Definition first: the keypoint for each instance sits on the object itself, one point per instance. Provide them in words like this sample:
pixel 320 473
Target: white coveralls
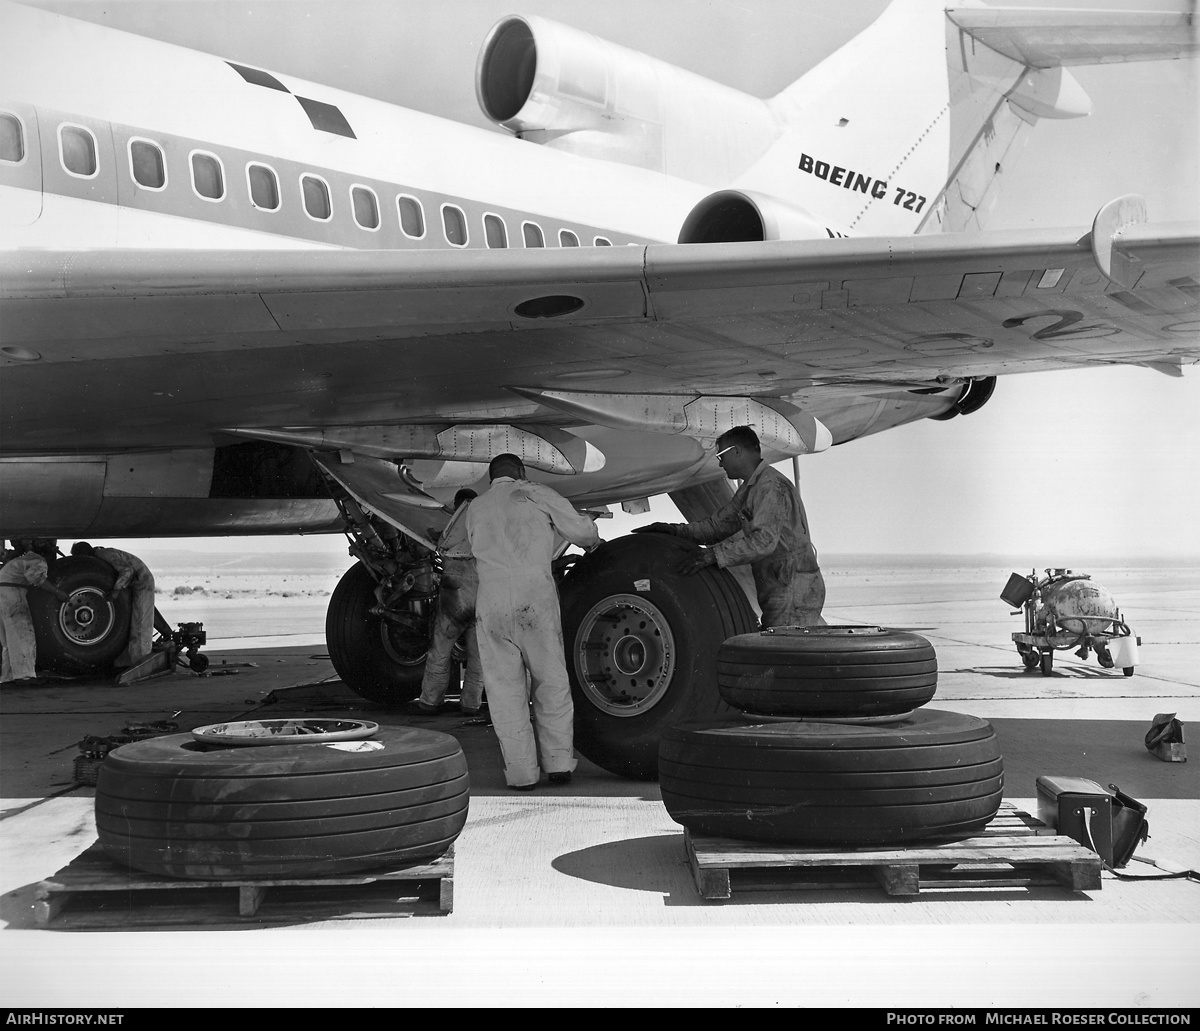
pixel 133 573
pixel 455 616
pixel 512 530
pixel 16 626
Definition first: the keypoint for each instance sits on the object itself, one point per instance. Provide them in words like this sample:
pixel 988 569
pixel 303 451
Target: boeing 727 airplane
pixel 236 302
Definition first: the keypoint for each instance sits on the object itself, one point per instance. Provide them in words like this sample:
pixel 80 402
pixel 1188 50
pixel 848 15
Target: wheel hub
pixel 88 618
pixel 624 655
pixel 405 638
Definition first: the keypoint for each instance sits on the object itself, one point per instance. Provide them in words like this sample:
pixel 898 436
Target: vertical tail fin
pixel 910 126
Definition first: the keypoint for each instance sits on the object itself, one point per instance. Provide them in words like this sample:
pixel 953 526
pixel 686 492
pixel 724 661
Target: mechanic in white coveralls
pixel 21 571
pixel 134 574
pixel 764 524
pixel 514 530
pixel 455 618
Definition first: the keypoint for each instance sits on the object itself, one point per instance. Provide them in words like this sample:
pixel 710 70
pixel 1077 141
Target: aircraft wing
pixel 194 346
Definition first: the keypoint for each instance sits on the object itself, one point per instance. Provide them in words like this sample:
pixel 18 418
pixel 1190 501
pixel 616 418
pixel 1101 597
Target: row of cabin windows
pixel 148 168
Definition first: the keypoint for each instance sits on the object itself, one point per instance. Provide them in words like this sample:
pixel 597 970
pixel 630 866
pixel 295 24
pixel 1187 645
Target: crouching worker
pixel 455 618
pixel 514 530
pixel 24 570
pixel 134 575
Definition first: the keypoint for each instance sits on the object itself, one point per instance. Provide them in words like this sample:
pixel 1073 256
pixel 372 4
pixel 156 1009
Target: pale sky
pixel 1056 465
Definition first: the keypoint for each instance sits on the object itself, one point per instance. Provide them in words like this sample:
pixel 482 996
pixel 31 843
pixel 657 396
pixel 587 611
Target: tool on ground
pixel 1164 739
pixel 1107 821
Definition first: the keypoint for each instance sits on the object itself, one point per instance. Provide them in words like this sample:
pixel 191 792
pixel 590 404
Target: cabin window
pixel 602 242
pixel 78 150
pixel 264 188
pixel 495 231
pixel 412 217
pixel 12 139
pixel 366 207
pixel 316 198
pixel 208 179
pixel 533 234
pixel 455 225
pixel 147 164
pixel 566 238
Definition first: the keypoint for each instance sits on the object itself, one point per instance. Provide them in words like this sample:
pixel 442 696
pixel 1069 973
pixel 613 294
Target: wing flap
pixel 1044 38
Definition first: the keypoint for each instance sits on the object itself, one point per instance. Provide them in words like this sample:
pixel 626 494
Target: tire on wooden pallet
pixel 827 671
pixel 930 774
pixel 178 808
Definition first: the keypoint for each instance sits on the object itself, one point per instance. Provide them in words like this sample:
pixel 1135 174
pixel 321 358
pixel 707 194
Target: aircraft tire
pixel 357 648
pixel 83 639
pixel 930 774
pixel 827 671
pixel 641 642
pixel 174 807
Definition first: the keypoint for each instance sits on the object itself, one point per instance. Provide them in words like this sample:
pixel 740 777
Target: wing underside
pixel 579 356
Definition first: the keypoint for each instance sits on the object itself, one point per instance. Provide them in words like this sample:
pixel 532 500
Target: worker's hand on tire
pixel 655 528
pixel 691 566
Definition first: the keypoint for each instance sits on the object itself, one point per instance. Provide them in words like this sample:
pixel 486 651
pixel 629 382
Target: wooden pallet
pixel 1014 850
pixel 94 892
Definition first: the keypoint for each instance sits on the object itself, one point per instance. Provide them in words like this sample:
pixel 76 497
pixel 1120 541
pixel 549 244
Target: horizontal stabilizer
pixel 1044 38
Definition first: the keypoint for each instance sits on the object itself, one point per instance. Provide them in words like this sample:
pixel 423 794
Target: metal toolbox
pixel 1106 820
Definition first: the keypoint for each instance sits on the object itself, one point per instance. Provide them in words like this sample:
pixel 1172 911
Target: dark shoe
pixel 523 787
pixel 23 682
pixel 469 712
pixel 560 778
pixel 419 708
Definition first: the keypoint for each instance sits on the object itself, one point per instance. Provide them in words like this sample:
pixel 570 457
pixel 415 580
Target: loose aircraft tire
pixel 64 643
pixel 175 807
pixel 827 671
pixel 356 647
pixel 675 622
pixel 930 774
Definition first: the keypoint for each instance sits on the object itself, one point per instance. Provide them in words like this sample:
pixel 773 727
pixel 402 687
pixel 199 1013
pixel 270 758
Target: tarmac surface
pixel 582 895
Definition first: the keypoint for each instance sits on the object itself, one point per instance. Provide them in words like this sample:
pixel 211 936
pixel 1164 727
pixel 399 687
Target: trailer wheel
pixel 641 642
pixel 381 660
pixel 176 807
pixel 929 774
pixel 88 633
pixel 1030 657
pixel 827 671
pixel 1047 661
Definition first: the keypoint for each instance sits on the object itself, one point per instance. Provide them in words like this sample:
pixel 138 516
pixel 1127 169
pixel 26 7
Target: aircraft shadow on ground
pixel 657 864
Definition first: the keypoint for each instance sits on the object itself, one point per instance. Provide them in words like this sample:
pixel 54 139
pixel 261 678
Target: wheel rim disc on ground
pixel 258 733
pixel 624 655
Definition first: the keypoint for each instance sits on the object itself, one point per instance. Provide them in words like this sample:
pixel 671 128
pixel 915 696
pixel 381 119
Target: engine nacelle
pixel 567 89
pixel 733 216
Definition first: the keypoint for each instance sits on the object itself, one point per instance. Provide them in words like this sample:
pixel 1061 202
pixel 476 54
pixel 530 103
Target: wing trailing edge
pixel 1046 38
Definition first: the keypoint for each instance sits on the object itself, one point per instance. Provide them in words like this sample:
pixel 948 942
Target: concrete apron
pixel 585 891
